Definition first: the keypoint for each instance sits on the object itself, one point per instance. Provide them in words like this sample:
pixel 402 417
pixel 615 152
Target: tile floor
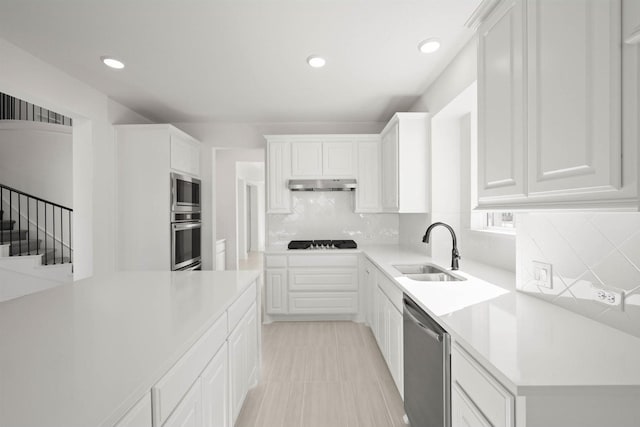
pixel 322 374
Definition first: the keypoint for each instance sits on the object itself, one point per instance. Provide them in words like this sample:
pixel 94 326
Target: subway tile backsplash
pixel 586 250
pixel 329 215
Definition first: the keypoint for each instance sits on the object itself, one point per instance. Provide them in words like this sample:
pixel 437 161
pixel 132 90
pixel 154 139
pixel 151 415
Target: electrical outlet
pixel 608 297
pixel 542 273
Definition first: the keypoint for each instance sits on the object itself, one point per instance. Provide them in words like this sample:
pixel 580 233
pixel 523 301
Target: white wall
pixel 225 177
pixel 37 158
pixel 251 174
pixel 208 178
pixel 24 76
pixel 453 168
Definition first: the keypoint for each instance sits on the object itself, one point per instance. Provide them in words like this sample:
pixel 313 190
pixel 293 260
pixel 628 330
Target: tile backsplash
pixel 586 250
pixel 329 215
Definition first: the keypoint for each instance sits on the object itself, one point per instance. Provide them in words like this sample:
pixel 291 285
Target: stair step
pixel 6 224
pixel 25 247
pixel 48 257
pixel 7 236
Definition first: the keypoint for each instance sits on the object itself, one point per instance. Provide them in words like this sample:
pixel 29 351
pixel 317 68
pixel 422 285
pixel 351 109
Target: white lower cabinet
pixel 188 413
pixel 478 393
pixel 464 411
pixel 388 329
pixel 215 391
pixel 139 415
pixel 312 284
pixel 243 360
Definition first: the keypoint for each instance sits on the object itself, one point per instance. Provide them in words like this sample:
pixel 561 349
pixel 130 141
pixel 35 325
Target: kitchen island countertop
pixel 81 354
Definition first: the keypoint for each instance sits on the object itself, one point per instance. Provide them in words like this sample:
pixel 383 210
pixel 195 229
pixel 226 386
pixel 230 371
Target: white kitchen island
pixel 84 354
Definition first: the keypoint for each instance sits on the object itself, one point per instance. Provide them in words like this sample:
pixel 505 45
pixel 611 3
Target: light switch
pixel 542 274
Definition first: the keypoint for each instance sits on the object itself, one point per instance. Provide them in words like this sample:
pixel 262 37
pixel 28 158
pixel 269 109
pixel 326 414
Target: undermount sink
pixel 427 273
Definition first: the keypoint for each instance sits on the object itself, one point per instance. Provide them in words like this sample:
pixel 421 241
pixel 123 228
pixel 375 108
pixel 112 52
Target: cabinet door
pixel 251 325
pixel 276 297
pixel 381 326
pixel 188 413
pixel 574 92
pixel 278 172
pixel 390 199
pixel 237 369
pixel 139 415
pixel 185 156
pixel 501 121
pixel 306 159
pixel 395 359
pixel 369 179
pixel 215 391
pixel 463 412
pixel 338 159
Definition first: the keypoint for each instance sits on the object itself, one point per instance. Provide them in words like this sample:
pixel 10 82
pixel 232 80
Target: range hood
pixel 322 184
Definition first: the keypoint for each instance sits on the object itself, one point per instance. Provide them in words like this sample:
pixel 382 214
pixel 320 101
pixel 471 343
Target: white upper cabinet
pixel 368 176
pixel 338 158
pixel 501 129
pixel 406 163
pixel 278 172
pixel 550 97
pixel 306 159
pixel 574 90
pixel 322 156
pixel 185 154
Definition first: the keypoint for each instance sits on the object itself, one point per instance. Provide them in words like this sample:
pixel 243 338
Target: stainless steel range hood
pixel 322 184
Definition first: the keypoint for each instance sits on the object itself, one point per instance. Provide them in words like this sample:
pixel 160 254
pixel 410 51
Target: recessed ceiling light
pixel 429 45
pixel 112 62
pixel 316 61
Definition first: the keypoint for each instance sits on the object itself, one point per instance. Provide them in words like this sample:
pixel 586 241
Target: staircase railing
pixel 39 215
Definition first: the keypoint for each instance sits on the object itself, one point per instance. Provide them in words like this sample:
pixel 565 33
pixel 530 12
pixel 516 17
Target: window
pixel 500 221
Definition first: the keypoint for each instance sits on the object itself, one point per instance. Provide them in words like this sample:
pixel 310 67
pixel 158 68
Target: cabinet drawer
pixel 463 412
pixel 139 415
pixel 240 307
pixel 275 261
pixel 323 302
pixel 323 260
pixel 169 391
pixel 333 279
pixel 484 391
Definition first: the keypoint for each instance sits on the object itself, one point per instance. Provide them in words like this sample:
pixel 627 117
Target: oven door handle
pixel 183 226
pixel 423 327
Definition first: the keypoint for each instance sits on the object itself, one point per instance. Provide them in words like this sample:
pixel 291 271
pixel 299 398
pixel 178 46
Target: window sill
pixel 505 233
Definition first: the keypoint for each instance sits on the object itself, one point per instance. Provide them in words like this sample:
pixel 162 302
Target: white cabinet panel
pixel 501 121
pixel 243 360
pixel 239 308
pixel 369 177
pixel 574 110
pixel 278 172
pixel 327 279
pixel 139 415
pixel 185 155
pixel 369 288
pixel 390 201
pixel 312 260
pixel 323 302
pixel 215 391
pixel 396 342
pixel 463 412
pixel 338 159
pixel 306 159
pixel 167 392
pixel 488 395
pixel 221 255
pixel 237 370
pixel 276 292
pixel 189 412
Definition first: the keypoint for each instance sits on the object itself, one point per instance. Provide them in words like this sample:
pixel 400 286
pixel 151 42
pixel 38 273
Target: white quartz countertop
pixel 82 354
pixel 530 345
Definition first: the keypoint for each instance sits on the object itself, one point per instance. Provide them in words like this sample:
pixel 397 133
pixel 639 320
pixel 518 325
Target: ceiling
pixel 243 60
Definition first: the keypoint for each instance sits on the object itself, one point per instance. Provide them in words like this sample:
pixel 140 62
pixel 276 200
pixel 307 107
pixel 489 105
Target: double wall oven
pixel 186 223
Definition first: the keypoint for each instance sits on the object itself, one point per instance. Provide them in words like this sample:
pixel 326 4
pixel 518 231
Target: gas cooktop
pixel 322 244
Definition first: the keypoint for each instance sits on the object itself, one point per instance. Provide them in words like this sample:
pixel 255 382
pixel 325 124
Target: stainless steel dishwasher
pixel 427 369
